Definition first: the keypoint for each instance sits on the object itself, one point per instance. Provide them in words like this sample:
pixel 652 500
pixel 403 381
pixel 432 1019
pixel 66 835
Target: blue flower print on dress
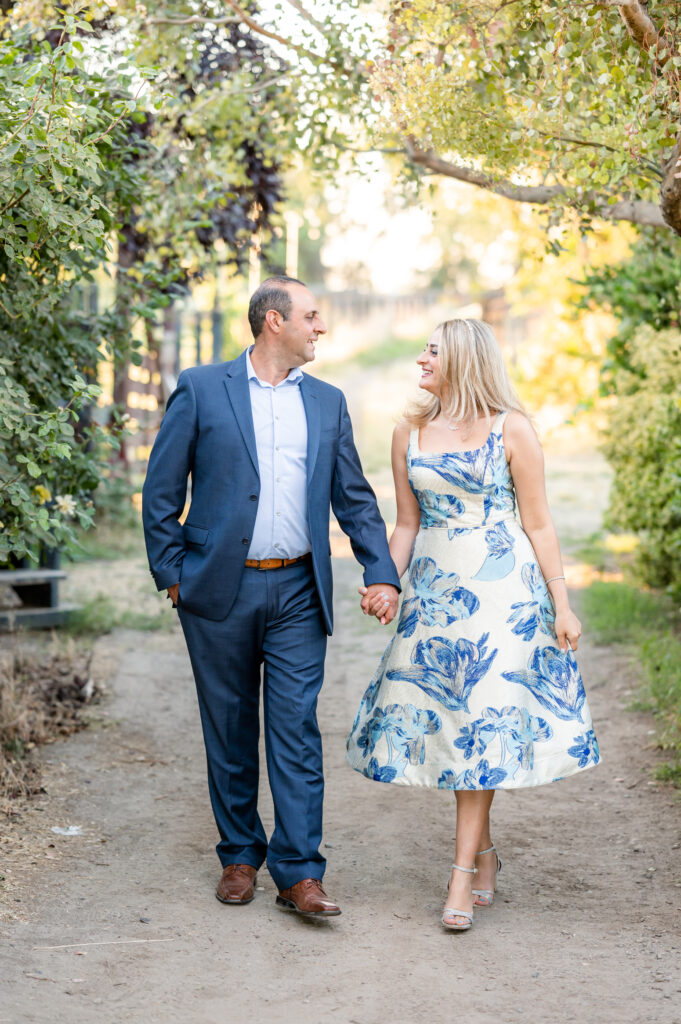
pixel 436 508
pixel 528 617
pixel 383 721
pixel 369 698
pixel 380 773
pixel 473 738
pixel 515 731
pixel 481 471
pixel 447 671
pixel 436 601
pixel 500 561
pixel 404 728
pixel 465 470
pixel 501 495
pixel 417 723
pixel 585 749
pixel 553 678
pixel 480 777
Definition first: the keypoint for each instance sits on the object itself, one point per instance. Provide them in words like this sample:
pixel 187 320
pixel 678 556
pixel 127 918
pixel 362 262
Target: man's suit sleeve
pixel 354 505
pixel 165 487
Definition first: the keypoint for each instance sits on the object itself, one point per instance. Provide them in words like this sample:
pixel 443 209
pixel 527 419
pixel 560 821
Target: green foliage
pixel 643 444
pixel 619 613
pixel 543 86
pixel 56 176
pixel 47 468
pixel 648 623
pixel 661 662
pixel 101 615
pixel 643 288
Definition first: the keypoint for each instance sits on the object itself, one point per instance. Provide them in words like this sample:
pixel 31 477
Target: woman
pixel 479 688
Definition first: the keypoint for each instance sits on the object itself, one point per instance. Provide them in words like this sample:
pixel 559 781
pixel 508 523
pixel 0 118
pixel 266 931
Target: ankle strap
pixel 480 852
pixel 469 871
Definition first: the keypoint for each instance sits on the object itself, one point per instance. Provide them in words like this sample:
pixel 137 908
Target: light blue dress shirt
pixel 280 424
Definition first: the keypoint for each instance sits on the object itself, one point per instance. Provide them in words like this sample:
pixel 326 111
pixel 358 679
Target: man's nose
pixel 320 326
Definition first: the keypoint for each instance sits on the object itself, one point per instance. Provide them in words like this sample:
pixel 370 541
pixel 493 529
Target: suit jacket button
pixel 253 497
pixel 245 540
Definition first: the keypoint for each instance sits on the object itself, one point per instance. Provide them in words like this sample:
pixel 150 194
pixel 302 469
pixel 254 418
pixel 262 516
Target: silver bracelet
pixel 554 578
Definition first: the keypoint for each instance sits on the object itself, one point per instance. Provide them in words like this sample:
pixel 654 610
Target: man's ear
pixel 274 320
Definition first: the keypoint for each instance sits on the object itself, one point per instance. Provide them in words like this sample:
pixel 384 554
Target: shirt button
pixel 253 497
pixel 278 513
pixel 245 540
pixel 276 447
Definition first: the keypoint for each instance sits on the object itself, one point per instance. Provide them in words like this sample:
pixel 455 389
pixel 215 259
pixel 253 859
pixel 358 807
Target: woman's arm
pixel 526 462
pixel 408 514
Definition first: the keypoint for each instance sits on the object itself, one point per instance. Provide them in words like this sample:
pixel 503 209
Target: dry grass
pixel 42 697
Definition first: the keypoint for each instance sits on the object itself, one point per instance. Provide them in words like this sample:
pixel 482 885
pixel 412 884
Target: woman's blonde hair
pixel 474 379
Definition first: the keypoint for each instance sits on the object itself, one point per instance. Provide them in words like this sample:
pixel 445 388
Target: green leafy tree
pixel 643 444
pixel 567 105
pixel 643 288
pixel 56 117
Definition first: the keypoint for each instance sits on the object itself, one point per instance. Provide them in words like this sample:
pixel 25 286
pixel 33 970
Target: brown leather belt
pixel 275 563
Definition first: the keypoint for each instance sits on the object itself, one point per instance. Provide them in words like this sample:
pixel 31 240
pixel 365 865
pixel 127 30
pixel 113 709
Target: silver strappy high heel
pixel 485 897
pixel 450 912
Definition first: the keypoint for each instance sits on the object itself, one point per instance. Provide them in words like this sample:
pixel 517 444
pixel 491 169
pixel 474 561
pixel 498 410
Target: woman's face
pixel 430 368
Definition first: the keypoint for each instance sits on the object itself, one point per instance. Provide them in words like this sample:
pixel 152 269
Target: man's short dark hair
pixel 271 294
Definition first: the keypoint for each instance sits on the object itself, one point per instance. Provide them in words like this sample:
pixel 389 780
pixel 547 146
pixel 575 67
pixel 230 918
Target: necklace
pixel 450 425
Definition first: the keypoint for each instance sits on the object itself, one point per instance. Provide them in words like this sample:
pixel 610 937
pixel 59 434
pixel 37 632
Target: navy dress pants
pixel 276 623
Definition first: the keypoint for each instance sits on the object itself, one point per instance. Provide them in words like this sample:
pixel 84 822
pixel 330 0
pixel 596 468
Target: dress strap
pixel 498 424
pixel 413 442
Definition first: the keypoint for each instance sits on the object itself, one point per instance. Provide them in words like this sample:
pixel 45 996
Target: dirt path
pixel 585 925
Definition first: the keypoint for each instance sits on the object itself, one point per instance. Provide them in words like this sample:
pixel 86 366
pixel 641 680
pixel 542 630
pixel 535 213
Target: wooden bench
pixel 38 591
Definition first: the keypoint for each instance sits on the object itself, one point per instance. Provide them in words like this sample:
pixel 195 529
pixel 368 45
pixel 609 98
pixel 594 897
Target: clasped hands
pixel 380 599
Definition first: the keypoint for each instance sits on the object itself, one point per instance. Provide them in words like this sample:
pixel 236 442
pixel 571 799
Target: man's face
pixel 300 332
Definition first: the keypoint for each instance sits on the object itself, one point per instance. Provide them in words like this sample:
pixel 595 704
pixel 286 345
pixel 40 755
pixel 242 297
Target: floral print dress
pixel 473 691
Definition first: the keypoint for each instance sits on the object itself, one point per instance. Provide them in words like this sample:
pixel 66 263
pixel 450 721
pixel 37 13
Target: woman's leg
pixel 486 865
pixel 472 819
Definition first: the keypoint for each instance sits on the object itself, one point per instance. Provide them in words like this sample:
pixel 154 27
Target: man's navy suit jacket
pixel 207 432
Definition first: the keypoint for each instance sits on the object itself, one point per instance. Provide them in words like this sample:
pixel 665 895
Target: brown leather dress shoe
pixel 307 898
pixel 237 884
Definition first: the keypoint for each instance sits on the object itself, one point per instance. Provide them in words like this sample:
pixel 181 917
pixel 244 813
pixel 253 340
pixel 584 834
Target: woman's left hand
pixel 568 630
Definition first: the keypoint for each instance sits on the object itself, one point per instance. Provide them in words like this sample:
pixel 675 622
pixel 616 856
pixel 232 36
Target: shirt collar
pixel 295 375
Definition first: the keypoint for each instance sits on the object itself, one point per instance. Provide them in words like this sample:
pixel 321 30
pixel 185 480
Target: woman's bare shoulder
pixel 519 432
pixel 401 435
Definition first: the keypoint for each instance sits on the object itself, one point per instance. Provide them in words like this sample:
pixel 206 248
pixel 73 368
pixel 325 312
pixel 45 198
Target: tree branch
pixel 642 28
pixel 268 34
pixel 321 28
pixel 670 192
pixel 30 114
pixel 637 211
pixel 113 124
pixel 640 25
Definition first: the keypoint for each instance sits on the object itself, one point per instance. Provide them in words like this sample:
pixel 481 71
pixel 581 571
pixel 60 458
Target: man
pixel 269 450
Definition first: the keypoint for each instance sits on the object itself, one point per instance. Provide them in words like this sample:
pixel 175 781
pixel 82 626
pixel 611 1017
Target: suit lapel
pixel 313 416
pixel 236 383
